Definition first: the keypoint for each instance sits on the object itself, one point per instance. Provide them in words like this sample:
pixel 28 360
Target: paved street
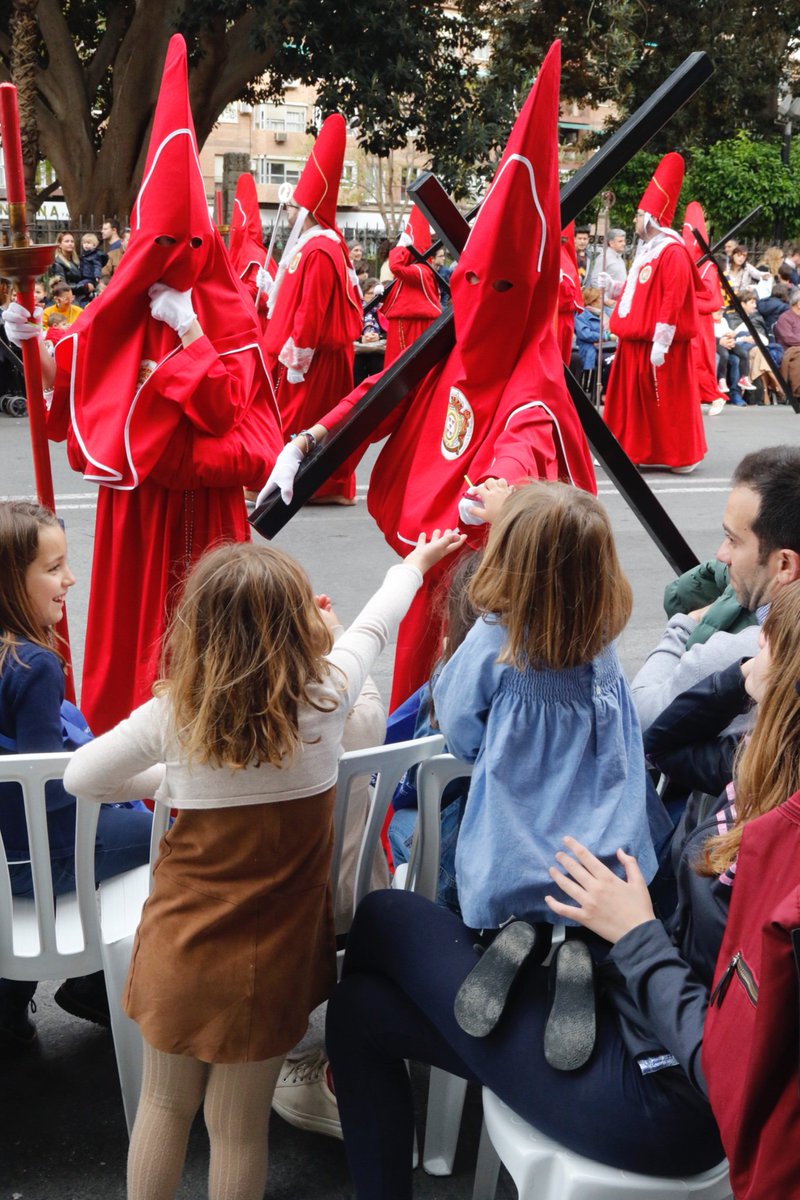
pixel 63 1132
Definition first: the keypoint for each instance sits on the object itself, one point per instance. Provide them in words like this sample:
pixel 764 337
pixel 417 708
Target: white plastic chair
pixel 83 931
pixel 446 1092
pixel 542 1169
pixel 390 764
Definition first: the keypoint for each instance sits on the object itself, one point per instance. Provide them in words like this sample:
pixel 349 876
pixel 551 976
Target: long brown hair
pixel 245 646
pixel 20 522
pixel 767 767
pixel 551 574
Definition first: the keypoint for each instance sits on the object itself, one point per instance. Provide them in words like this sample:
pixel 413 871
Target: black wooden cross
pixel 437 341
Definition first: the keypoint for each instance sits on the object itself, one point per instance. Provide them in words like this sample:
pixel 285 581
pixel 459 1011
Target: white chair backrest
pixel 390 763
pixel 433 777
pixel 47 938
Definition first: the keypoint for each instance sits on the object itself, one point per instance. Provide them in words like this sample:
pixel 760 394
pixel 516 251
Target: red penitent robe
pixel 316 319
pixel 655 412
pixel 412 303
pixel 525 427
pixel 201 427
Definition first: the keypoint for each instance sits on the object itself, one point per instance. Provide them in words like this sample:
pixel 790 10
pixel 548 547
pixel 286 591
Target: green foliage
pixel 733 176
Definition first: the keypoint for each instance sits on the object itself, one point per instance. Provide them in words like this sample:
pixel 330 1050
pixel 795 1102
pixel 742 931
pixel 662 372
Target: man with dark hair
pixel 112 246
pixel 761 551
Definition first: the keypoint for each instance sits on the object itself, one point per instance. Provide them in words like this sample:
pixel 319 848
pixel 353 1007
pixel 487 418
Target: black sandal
pixel 569 1034
pixel 480 1000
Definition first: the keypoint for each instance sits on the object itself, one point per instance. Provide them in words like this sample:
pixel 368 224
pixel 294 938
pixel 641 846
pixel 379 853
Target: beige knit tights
pixel 236 1110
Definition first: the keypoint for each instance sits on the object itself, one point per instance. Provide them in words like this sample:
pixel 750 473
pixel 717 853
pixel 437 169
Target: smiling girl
pixel 34 718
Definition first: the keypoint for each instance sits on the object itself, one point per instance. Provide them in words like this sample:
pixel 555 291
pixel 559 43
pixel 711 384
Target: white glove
pixel 464 516
pixel 404 239
pixel 604 281
pixel 281 478
pixel 171 307
pixel 19 326
pixel 263 281
pixel 658 352
pixel 294 376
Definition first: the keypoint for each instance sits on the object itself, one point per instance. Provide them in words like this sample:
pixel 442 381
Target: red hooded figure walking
pixel 250 260
pixel 413 299
pixel 165 401
pixel 653 401
pixel 497 405
pixel 315 311
pixel 709 300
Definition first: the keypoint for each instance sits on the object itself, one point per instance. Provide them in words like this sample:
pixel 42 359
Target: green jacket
pixel 707 584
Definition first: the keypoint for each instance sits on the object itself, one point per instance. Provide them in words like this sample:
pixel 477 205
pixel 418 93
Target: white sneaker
pixel 684 470
pixel 716 406
pixel 303 1098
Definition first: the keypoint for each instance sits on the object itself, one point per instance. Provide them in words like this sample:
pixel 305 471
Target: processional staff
pixel 21 263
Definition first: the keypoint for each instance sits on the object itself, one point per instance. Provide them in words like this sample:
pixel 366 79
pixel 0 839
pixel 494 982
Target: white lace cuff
pixel 296 358
pixel 663 334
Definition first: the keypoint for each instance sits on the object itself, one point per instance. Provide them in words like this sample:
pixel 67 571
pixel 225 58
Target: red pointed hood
pixel 245 243
pixel 694 218
pixel 505 286
pixel 116 344
pixel 660 197
pixel 418 229
pixel 317 189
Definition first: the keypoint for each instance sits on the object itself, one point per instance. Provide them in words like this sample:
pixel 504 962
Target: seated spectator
pixel 92 259
pixel 362 275
pixel 369 357
pixel 787 335
pixel 741 273
pixel 761 550
pixel 112 247
pixel 67 265
pixel 587 334
pixel 732 362
pixel 792 265
pixel 63 303
pixel 57 325
pixel 373 330
pixel 761 370
pixel 773 305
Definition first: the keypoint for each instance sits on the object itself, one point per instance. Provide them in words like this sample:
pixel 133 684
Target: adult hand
pixel 281 478
pixel 294 376
pixel 658 352
pixel 604 903
pixel 172 307
pixel 263 281
pixel 19 325
pixel 604 281
pixel 491 496
pixel 429 552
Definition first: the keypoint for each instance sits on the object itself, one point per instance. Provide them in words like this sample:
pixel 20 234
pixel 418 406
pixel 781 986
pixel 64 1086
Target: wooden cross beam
pixel 411 367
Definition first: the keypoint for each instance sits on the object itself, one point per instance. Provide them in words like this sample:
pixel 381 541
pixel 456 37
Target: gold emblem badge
pixel 146 368
pixel 645 273
pixel 458 425
pixel 295 263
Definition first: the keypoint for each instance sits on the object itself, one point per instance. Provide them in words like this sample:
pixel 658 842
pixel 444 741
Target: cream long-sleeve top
pixel 142 756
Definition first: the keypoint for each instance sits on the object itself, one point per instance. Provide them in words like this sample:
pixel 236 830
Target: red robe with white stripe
pixel 412 303
pixel 655 412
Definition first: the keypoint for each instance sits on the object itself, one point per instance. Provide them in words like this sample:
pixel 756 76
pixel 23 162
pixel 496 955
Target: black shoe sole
pixel 71 1004
pixel 480 1000
pixel 569 1034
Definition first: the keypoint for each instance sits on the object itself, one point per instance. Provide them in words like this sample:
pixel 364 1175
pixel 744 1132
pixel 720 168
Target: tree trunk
pixel 24 42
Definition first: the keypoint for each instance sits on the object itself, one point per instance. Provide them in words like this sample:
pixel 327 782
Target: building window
pixel 267 170
pixel 349 175
pixel 283 118
pixel 229 114
pixel 409 174
pixel 219 166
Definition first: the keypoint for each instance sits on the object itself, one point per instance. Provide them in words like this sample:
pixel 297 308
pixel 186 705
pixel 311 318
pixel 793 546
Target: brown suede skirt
pixel 236 943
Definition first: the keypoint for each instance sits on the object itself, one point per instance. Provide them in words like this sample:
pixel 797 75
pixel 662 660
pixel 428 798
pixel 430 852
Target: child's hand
pixel 488 499
pixel 428 553
pixel 606 904
pixel 325 606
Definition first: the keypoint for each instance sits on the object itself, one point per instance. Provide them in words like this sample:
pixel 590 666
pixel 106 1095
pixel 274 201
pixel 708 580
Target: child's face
pixel 749 306
pixel 88 242
pixel 64 299
pixel 39 293
pixel 48 578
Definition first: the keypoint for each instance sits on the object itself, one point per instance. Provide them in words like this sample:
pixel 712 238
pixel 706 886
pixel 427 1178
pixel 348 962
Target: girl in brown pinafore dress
pixel 236 945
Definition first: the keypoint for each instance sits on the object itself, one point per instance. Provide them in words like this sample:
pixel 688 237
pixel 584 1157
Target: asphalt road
pixel 63 1134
